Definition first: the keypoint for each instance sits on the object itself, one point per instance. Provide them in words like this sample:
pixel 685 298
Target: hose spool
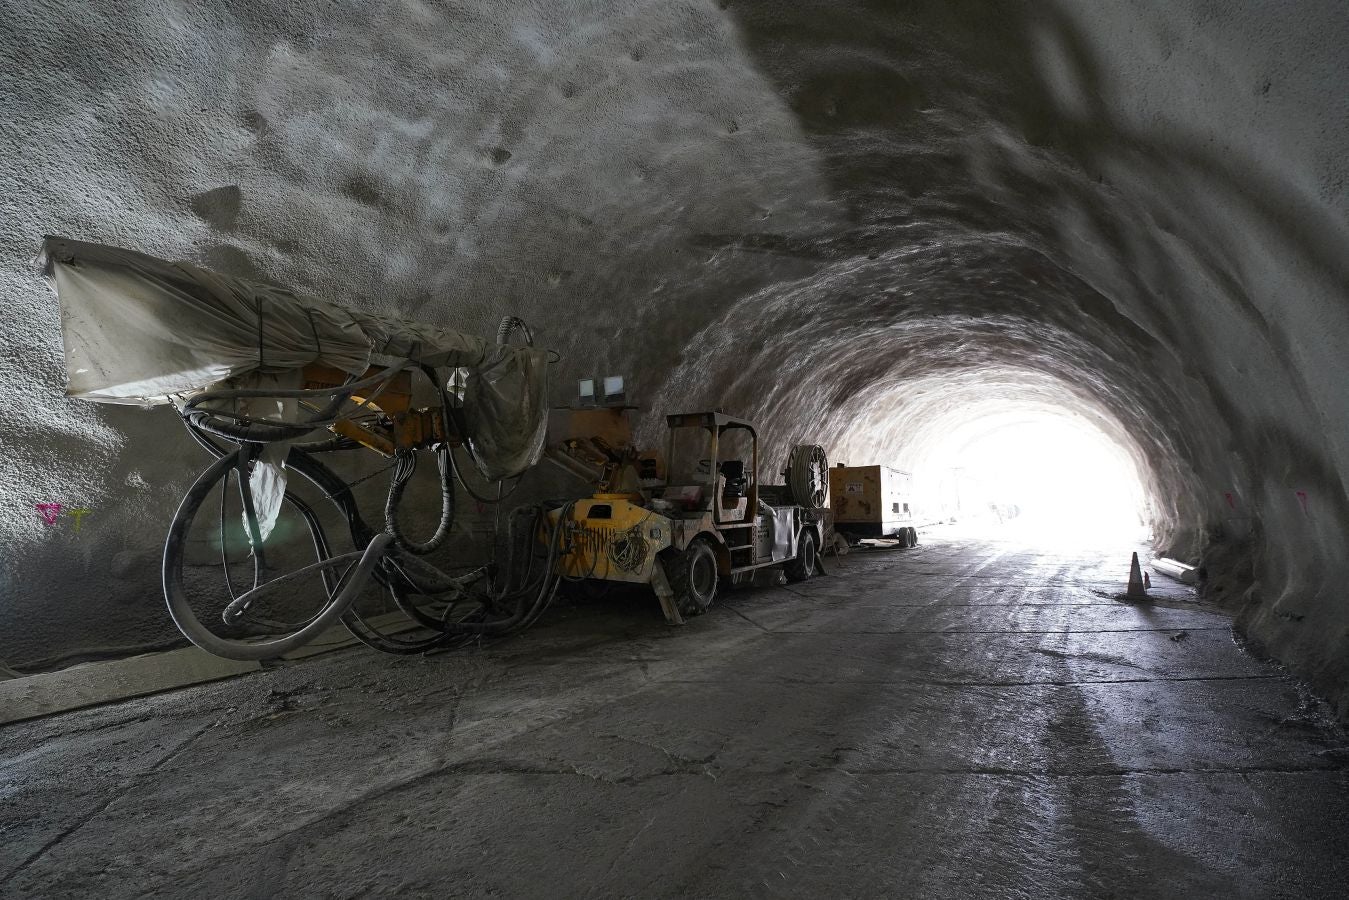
pixel 808 476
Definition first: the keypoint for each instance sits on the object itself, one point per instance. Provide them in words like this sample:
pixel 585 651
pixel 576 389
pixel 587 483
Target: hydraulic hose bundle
pixel 254 370
pixel 497 599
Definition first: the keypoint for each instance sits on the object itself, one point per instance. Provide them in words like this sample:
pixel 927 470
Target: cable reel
pixel 808 476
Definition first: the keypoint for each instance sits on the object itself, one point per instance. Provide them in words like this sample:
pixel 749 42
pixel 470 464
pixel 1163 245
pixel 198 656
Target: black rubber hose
pixel 352 620
pixel 268 432
pixel 376 640
pixel 402 474
pixel 459 476
pixel 338 493
pixel 180 608
pixel 514 323
pixel 524 612
pixel 205 442
pixel 335 489
pixel 530 599
pixel 246 434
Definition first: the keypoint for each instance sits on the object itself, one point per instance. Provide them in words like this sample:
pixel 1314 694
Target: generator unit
pixel 873 501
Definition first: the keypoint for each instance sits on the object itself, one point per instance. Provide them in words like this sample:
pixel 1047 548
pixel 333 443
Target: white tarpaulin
pixel 142 330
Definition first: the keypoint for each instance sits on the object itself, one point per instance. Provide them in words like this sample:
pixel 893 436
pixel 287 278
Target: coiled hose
pixel 808 476
pixel 528 599
pixel 175 594
pixel 519 601
pixel 403 471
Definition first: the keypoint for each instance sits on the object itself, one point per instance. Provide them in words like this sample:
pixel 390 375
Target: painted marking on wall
pixel 1302 498
pixel 1231 501
pixel 51 514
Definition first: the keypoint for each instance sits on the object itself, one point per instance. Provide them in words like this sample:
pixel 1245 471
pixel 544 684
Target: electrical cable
pixel 458 475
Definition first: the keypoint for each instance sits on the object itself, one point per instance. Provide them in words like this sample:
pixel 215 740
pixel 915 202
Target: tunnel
pixel 1098 249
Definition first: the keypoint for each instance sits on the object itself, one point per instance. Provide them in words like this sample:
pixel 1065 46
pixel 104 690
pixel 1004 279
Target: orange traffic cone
pixel 1136 590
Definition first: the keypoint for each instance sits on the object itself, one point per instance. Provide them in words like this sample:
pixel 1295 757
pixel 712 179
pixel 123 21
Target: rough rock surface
pixel 858 221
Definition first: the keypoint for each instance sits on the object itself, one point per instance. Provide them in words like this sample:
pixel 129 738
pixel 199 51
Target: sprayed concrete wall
pixel 854 221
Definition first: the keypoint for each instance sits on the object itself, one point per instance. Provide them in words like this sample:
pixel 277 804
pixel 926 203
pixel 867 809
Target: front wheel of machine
pixel 803 566
pixel 693 578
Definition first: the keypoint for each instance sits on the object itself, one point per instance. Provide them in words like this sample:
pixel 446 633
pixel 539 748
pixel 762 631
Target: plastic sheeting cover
pixel 509 392
pixel 138 329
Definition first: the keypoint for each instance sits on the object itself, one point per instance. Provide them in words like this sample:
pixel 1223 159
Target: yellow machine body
pixel 705 489
pixel 401 427
pixel 611 538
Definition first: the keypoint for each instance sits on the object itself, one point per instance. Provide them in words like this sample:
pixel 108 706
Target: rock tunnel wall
pixel 850 221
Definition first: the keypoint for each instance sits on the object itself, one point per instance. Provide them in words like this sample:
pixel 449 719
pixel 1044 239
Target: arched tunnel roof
pixel 855 222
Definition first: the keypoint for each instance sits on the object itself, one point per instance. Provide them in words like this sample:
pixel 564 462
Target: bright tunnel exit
pixel 1044 476
pixel 1013 452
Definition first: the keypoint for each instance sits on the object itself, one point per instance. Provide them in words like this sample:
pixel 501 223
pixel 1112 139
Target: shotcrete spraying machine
pixel 691 519
pixel 273 385
pixel 269 383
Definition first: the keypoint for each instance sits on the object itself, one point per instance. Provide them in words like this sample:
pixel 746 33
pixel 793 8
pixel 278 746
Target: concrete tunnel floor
pixel 970 718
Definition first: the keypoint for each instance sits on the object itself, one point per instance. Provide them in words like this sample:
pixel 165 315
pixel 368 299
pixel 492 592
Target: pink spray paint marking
pixel 50 512
pixel 1302 498
pixel 1231 501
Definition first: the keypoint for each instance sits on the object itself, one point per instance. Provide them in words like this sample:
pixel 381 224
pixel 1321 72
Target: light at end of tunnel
pixel 1038 476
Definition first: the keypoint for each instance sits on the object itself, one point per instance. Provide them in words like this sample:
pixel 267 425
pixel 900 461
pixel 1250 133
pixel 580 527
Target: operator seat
pixel 734 486
pixel 737 483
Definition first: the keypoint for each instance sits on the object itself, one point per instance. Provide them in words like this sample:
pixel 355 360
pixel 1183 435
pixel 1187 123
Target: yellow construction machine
pixel 688 519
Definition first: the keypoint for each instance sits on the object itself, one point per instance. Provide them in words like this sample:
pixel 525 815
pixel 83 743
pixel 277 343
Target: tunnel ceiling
pixel 851 220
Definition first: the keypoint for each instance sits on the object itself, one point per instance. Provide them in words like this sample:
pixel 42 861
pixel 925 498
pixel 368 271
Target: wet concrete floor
pixel 967 719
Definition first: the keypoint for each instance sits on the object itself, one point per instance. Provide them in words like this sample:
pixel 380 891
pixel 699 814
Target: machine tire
pixel 807 558
pixel 913 536
pixel 693 578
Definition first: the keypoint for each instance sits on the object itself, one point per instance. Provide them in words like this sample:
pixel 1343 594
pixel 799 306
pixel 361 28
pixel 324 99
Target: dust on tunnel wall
pixel 789 210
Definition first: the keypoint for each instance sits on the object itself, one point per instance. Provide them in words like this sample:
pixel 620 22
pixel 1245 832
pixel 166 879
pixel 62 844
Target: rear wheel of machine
pixel 693 578
pixel 913 536
pixel 803 566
